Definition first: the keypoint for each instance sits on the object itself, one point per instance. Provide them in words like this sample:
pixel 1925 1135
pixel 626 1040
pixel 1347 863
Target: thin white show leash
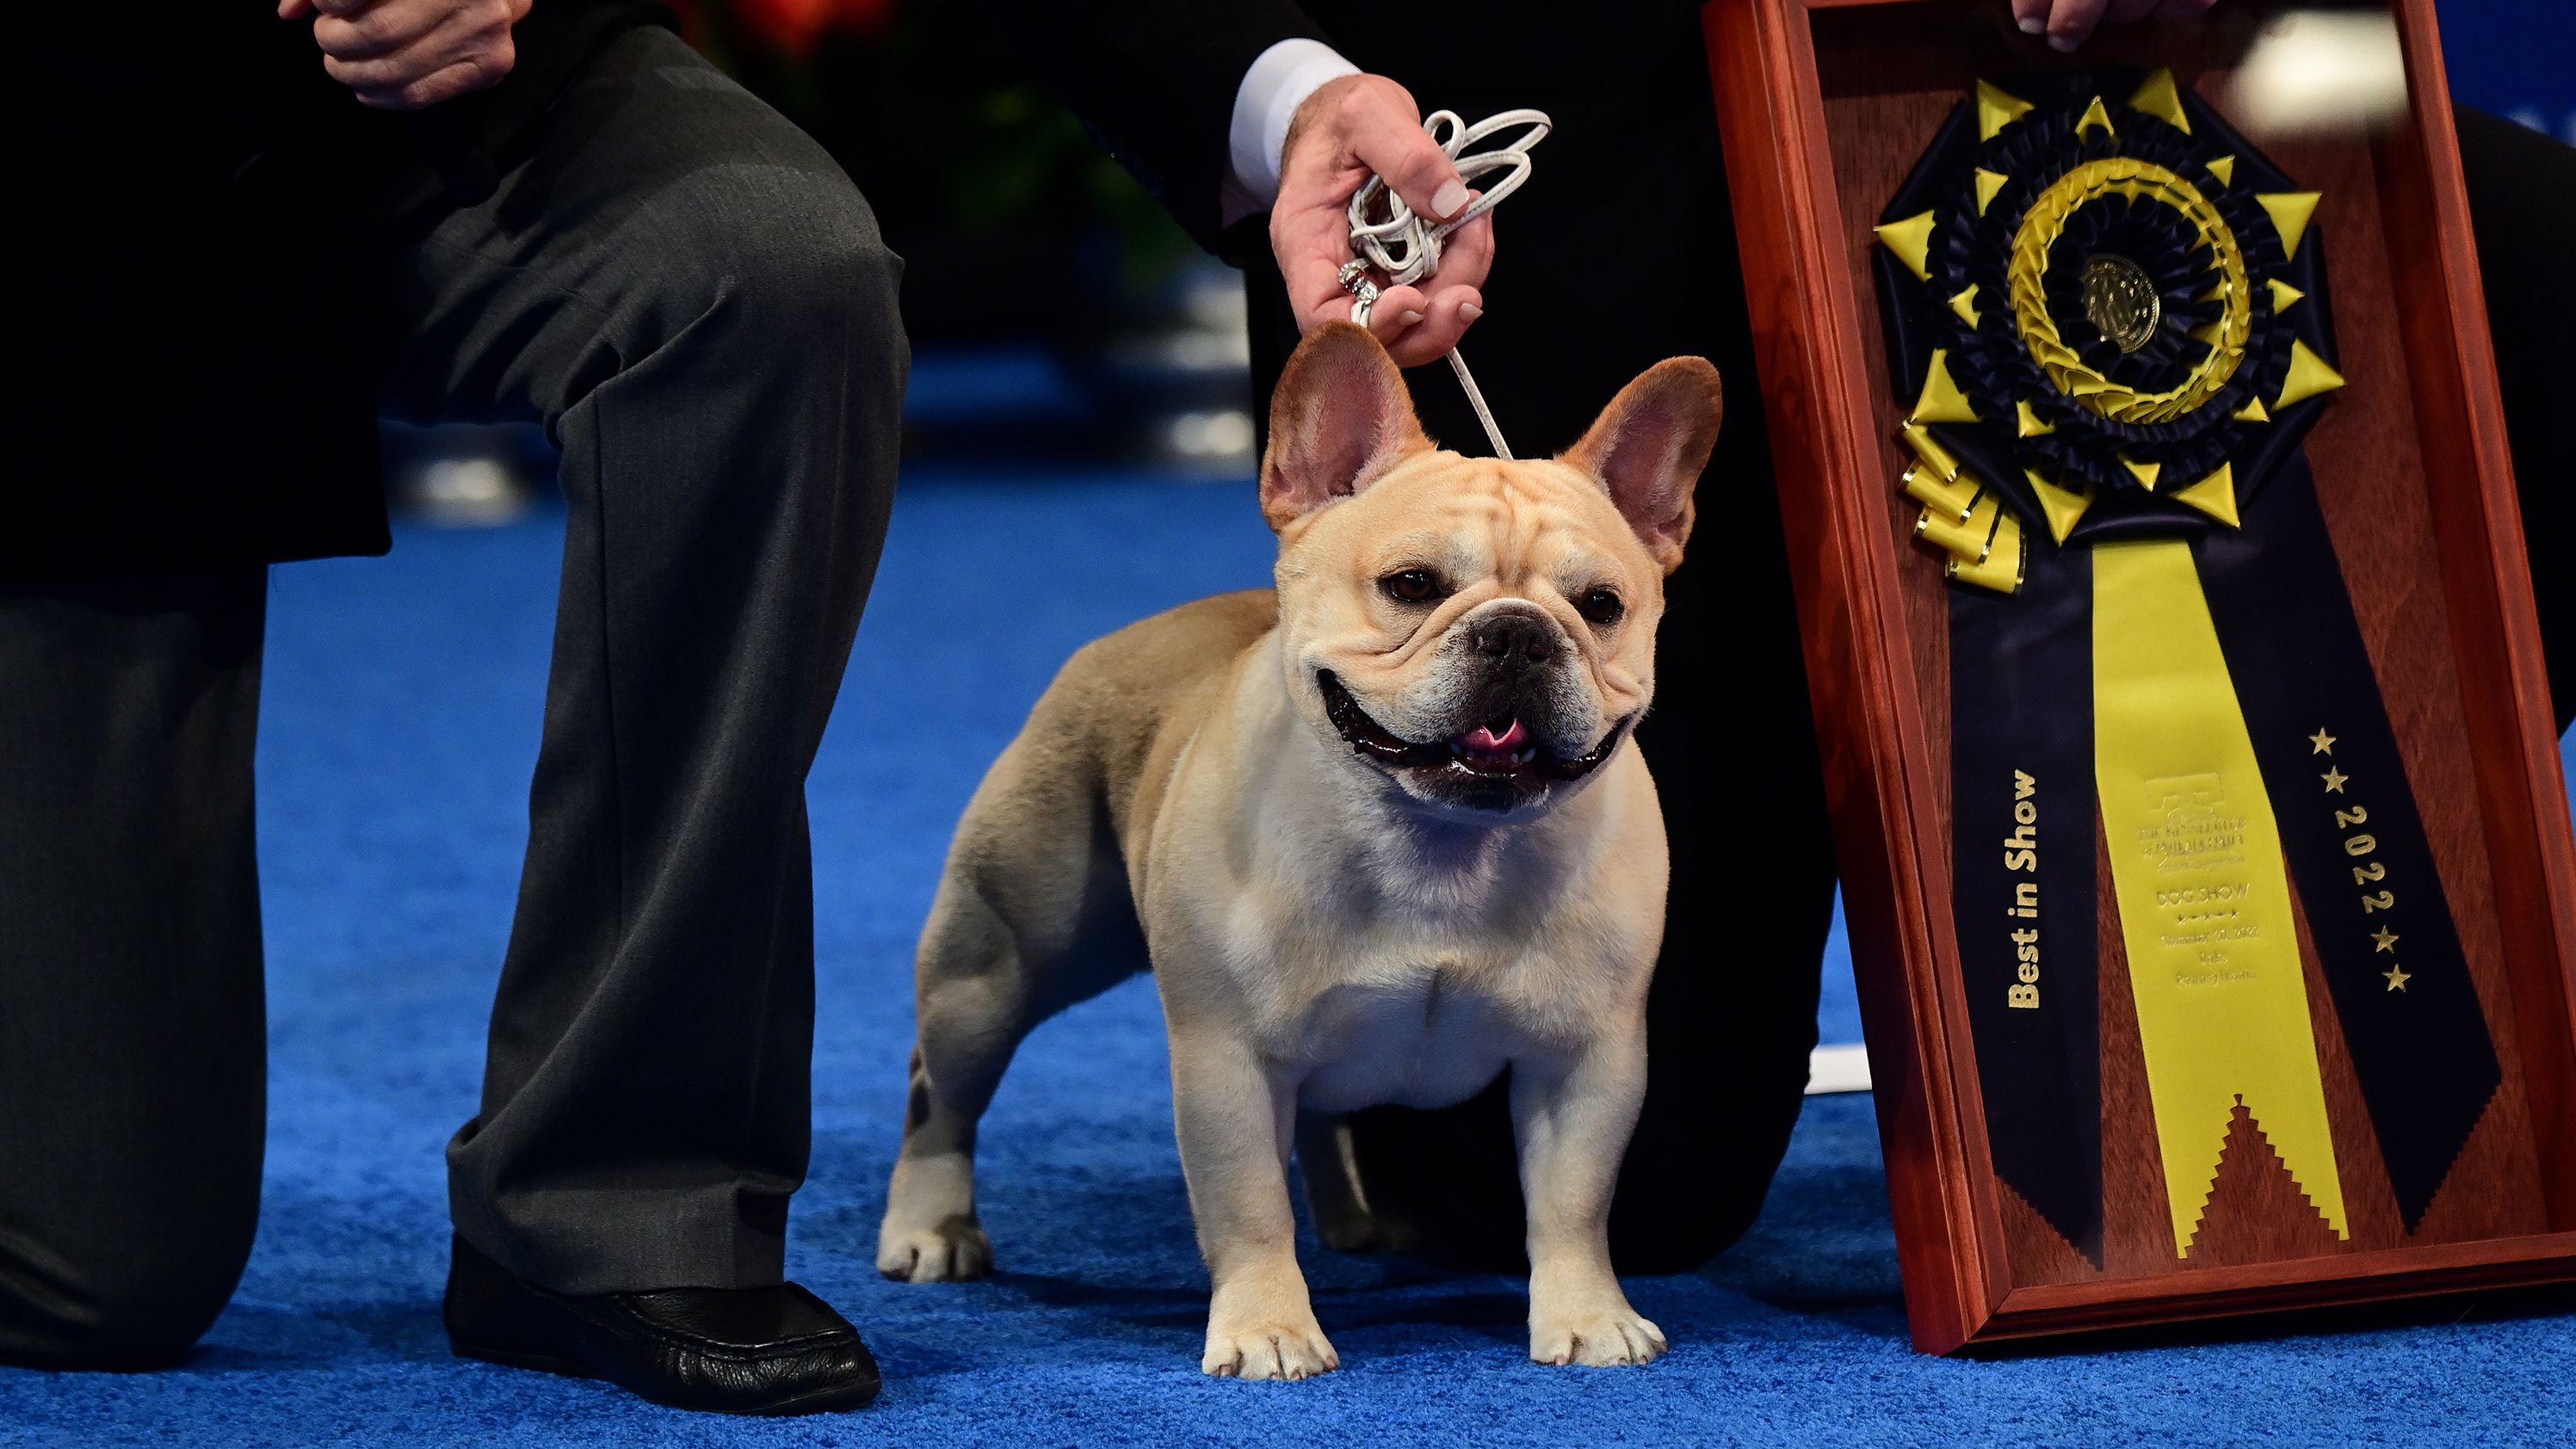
pixel 1404 248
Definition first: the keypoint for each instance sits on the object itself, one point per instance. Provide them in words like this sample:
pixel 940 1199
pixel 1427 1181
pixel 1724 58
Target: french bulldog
pixel 1380 833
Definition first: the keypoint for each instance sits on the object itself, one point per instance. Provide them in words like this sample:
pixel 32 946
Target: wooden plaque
pixel 1826 107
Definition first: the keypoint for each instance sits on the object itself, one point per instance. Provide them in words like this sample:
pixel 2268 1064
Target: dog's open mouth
pixel 1499 750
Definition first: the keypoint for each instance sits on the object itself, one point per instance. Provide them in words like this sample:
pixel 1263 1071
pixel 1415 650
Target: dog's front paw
pixel 1277 1350
pixel 1599 1339
pixel 951 1249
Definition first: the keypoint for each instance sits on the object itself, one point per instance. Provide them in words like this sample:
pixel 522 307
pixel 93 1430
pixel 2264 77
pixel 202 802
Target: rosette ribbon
pixel 2111 316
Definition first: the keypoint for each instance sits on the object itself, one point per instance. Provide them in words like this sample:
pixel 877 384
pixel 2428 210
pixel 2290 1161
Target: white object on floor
pixel 1838 1069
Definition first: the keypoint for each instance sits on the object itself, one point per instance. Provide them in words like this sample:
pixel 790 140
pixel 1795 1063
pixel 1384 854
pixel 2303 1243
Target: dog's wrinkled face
pixel 1480 633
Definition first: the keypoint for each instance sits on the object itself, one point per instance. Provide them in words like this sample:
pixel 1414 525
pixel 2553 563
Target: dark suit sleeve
pixel 1155 80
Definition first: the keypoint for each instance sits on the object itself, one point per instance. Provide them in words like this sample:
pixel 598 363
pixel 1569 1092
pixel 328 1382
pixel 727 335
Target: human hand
pixel 402 55
pixel 1348 128
pixel 2068 23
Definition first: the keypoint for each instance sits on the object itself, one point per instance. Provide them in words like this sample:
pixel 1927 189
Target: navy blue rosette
pixel 2112 320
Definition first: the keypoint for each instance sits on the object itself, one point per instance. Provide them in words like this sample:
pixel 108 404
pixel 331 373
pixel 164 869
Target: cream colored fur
pixel 1326 932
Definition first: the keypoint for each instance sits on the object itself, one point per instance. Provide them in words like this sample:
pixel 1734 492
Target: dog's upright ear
pixel 1649 446
pixel 1340 419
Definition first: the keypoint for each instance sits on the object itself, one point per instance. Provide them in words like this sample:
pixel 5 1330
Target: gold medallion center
pixel 2120 299
pixel 2027 279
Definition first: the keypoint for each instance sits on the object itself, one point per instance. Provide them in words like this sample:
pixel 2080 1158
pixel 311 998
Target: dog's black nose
pixel 1515 639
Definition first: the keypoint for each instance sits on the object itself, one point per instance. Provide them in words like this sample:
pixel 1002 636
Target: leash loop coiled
pixel 1401 244
pixel 1388 238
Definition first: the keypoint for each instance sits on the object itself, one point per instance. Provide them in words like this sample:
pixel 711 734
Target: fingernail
pixel 1451 196
pixel 1409 318
pixel 2033 24
pixel 2062 44
pixel 1470 311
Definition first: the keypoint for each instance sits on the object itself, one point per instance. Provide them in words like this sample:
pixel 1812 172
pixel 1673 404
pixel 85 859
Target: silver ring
pixel 1355 279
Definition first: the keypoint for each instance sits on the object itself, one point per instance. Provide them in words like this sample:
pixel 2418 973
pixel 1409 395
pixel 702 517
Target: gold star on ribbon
pixel 2334 779
pixel 2386 938
pixel 2323 742
pixel 2397 977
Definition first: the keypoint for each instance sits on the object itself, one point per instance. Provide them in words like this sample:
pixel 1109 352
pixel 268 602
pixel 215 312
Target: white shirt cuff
pixel 1279 81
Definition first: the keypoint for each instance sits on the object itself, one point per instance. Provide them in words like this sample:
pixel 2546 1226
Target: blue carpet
pixel 401 715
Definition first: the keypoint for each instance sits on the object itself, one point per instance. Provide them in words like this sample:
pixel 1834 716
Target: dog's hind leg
pixel 1337 1198
pixel 969 990
pixel 1032 917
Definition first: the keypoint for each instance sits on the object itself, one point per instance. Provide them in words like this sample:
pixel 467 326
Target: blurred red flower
pixel 792 26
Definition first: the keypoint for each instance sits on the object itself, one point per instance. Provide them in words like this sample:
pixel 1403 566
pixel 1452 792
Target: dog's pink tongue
pixel 1484 741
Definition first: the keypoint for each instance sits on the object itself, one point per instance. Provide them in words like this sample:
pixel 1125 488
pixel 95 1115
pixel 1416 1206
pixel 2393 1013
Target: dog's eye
pixel 1412 586
pixel 1601 606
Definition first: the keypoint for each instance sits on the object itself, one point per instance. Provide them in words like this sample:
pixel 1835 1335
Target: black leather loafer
pixel 777 1350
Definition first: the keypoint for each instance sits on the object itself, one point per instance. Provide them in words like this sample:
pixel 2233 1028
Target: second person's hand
pixel 403 55
pixel 2069 23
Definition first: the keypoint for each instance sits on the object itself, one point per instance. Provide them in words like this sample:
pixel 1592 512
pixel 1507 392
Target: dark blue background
pixel 2516 58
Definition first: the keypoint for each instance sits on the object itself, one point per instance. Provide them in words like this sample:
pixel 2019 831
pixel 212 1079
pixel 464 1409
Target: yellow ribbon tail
pixel 2203 895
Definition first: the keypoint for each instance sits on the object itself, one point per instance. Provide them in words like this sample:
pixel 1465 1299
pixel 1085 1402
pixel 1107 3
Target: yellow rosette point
pixel 2063 506
pixel 1943 401
pixel 2290 211
pixel 1965 304
pixel 1996 109
pixel 2214 495
pixel 2159 99
pixel 1911 240
pixel 2308 376
pixel 1988 184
